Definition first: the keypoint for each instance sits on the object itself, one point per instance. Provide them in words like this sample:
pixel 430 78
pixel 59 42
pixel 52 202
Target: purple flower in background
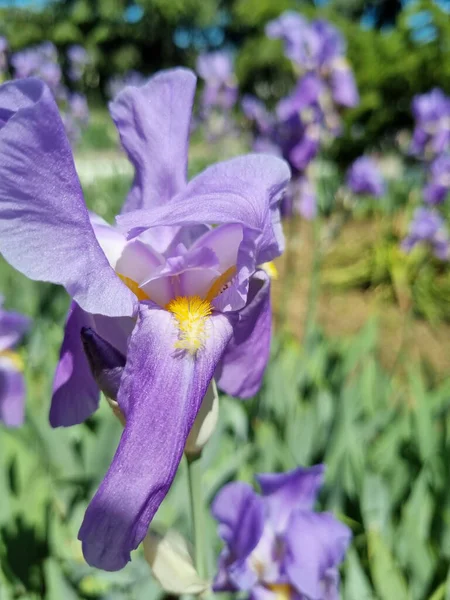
pixel 317 48
pixel 79 108
pixel 79 59
pixel 291 28
pixel 428 227
pixel 12 385
pixel 4 47
pixel 431 135
pixel 255 110
pixel 220 91
pixel 25 63
pixel 275 544
pixel 438 187
pixel 119 82
pixel 180 300
pixel 365 178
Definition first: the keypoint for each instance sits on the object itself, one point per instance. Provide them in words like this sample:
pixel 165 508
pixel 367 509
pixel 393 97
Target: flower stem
pixel 196 501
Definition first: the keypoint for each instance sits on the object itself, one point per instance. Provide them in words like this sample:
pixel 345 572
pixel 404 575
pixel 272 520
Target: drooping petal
pixel 246 190
pixel 242 367
pixel 315 544
pixel 286 492
pixel 45 230
pixel 12 327
pixel 160 394
pixel 153 123
pixel 75 392
pixel 12 395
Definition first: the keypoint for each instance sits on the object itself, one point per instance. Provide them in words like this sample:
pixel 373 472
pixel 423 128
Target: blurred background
pixel 359 374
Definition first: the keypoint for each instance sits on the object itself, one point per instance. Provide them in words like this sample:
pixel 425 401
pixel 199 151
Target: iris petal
pixel 160 395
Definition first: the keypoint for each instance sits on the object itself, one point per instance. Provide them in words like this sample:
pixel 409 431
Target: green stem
pixel 196 500
pixel 314 286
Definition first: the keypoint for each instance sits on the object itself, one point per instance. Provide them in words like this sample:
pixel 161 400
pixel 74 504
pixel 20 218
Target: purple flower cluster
pixel 79 59
pixel 42 61
pixel 161 302
pixel 12 385
pixel 4 46
pixel 276 546
pixel 431 143
pixel 319 49
pixel 438 186
pixel 431 135
pixel 309 116
pixel 428 227
pixel 365 178
pixel 220 92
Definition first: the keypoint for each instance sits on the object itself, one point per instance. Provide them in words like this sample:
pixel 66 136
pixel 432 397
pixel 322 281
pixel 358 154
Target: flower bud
pixel 171 563
pixel 204 424
pixel 105 361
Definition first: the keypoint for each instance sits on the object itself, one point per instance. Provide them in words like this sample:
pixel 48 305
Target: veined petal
pixel 286 492
pixel 12 396
pixel 246 190
pixel 160 394
pixel 45 231
pixel 75 392
pixel 241 369
pixel 153 122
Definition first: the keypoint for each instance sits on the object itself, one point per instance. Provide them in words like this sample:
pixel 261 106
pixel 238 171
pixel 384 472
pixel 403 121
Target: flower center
pixel 282 591
pixel 191 313
pixel 134 287
pixel 14 358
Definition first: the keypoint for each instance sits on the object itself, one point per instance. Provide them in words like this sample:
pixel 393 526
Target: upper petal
pixel 153 122
pixel 285 492
pixel 160 394
pixel 45 230
pixel 246 190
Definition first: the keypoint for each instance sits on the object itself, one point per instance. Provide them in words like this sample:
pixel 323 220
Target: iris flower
pixel 181 299
pixel 276 546
pixel 12 385
pixel 364 177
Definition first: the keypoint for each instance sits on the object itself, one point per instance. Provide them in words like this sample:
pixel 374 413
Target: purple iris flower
pixel 431 135
pixel 12 385
pixel 79 59
pixel 220 91
pixel 276 545
pixel 182 301
pixel 25 63
pixel 317 48
pixel 428 227
pixel 438 187
pixel 364 177
pixel 79 108
pixel 4 47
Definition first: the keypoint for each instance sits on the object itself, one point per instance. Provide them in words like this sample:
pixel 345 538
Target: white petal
pixel 171 563
pixel 205 423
